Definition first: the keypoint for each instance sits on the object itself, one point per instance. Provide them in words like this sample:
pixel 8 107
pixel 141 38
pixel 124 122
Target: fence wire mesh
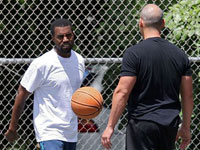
pixel 103 29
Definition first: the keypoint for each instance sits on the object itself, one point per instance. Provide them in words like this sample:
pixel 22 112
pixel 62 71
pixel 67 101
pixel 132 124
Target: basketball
pixel 87 102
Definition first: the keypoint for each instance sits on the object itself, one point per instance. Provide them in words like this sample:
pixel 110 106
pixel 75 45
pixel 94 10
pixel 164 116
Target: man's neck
pixel 149 33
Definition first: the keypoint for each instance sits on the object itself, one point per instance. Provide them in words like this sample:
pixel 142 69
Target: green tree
pixel 183 21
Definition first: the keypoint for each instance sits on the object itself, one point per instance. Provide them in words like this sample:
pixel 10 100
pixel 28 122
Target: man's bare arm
pixel 187 108
pixel 18 108
pixel 119 101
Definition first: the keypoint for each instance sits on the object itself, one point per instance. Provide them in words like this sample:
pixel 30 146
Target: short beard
pixel 66 51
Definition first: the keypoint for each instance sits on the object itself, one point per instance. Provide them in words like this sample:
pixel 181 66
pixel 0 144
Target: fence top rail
pixel 87 60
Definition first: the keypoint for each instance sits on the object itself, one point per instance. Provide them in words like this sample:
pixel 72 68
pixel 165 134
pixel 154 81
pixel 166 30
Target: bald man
pixel 153 73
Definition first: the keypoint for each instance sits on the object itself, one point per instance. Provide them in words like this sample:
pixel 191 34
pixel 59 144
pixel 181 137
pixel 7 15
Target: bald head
pixel 152 16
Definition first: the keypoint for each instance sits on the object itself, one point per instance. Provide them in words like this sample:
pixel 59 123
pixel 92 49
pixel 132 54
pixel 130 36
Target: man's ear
pixel 141 23
pixel 163 24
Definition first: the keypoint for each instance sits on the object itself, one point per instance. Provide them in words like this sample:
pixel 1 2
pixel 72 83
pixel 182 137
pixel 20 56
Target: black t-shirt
pixel 158 66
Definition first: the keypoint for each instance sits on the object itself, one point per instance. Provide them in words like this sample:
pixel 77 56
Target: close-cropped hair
pixel 59 23
pixel 150 18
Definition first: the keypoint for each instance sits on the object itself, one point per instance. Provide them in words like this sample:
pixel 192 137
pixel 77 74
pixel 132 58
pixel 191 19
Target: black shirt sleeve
pixel 187 71
pixel 129 63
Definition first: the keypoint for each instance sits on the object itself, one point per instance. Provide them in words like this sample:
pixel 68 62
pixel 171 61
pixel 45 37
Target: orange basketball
pixel 87 102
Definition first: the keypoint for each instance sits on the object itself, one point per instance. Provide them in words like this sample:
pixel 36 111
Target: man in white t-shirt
pixel 53 78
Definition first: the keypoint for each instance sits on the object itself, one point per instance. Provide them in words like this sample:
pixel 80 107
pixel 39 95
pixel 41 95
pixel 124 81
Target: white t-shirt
pixel 54 79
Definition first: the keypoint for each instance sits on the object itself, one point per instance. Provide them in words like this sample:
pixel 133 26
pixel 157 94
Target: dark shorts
pixel 145 135
pixel 57 145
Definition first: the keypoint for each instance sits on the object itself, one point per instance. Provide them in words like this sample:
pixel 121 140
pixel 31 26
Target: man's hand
pixel 11 136
pixel 185 136
pixel 106 137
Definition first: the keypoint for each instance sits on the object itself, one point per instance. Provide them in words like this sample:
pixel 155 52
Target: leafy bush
pixel 183 19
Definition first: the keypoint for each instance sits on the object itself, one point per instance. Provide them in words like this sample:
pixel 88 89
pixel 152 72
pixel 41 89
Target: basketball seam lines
pixel 85 104
pixel 91 96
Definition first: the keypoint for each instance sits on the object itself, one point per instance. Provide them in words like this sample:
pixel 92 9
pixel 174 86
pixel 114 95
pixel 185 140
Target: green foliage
pixel 118 28
pixel 183 19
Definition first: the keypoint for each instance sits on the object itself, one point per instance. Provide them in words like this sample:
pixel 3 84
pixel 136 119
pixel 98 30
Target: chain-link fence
pixel 103 29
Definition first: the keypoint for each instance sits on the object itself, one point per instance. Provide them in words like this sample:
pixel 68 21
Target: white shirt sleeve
pixel 32 78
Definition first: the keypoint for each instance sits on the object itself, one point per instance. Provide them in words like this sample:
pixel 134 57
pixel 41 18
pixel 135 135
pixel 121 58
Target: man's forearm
pixel 187 100
pixel 118 107
pixel 187 108
pixel 18 107
pixel 16 113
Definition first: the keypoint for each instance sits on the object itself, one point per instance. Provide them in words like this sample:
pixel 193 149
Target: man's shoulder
pixel 46 55
pixel 43 59
pixel 175 49
pixel 135 48
pixel 79 56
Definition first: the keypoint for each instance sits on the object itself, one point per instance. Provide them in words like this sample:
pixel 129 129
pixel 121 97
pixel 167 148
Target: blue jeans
pixel 57 145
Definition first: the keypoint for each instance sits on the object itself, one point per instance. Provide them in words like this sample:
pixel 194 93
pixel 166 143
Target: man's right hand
pixel 106 137
pixel 11 136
